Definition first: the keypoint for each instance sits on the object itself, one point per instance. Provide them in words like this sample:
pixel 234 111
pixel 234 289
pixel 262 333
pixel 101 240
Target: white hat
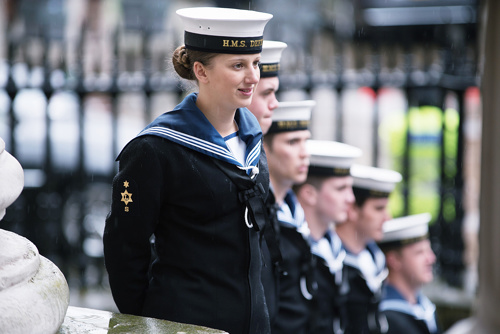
pixel 223 30
pixel 331 158
pixel 270 58
pixel 11 179
pixel 379 182
pixel 405 230
pixel 292 116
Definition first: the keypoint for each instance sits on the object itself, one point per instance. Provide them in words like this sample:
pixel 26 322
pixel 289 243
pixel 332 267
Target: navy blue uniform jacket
pixel 207 269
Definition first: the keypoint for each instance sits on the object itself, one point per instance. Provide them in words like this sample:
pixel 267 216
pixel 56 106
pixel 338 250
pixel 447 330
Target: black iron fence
pixel 66 124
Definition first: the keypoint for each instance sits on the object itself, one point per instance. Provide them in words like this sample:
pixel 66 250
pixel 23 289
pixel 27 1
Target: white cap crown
pixel 374 178
pixel 223 30
pixel 292 116
pixel 405 230
pixel 270 58
pixel 271 51
pixel 331 158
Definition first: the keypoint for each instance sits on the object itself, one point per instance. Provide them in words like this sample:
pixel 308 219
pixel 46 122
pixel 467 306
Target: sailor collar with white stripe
pixel 374 280
pixel 330 249
pixel 291 214
pixel 424 309
pixel 186 125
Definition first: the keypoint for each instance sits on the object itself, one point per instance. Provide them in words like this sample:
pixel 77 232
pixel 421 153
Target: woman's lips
pixel 246 91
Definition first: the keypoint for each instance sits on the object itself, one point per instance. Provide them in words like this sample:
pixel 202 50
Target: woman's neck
pixel 221 119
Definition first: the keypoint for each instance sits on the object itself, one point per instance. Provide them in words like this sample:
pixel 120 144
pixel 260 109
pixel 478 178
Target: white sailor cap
pixel 374 181
pixel 405 230
pixel 292 116
pixel 223 30
pixel 270 58
pixel 331 158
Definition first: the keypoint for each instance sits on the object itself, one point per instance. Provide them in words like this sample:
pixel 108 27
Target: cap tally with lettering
pixel 405 230
pixel 331 158
pixel 292 116
pixel 270 58
pixel 223 30
pixel 374 181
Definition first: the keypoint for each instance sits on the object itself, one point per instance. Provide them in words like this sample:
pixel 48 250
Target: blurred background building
pixel 397 78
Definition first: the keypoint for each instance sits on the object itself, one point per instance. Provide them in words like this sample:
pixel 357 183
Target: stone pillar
pixel 486 319
pixel 488 302
pixel 34 295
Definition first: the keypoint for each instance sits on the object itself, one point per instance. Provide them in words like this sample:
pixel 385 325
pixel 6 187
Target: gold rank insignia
pixel 126 196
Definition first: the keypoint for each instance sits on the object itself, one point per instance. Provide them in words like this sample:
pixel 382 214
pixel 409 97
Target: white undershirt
pixel 236 146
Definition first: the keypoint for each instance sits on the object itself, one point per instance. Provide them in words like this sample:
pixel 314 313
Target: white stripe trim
pixel 253 154
pixel 425 311
pixel 373 283
pixel 193 141
pixel 324 249
pixel 187 138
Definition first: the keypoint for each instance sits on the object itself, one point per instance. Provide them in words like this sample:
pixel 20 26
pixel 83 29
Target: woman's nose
pixel 253 75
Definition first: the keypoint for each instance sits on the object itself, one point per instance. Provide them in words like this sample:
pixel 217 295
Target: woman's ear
pixel 200 72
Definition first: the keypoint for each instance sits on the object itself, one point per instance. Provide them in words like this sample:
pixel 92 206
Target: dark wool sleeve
pixel 403 323
pixel 134 214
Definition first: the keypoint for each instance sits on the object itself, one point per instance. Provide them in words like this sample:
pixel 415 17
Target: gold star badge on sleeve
pixel 126 196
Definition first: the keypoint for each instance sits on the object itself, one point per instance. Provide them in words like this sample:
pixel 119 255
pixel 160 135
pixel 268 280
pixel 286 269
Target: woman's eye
pixel 256 64
pixel 238 66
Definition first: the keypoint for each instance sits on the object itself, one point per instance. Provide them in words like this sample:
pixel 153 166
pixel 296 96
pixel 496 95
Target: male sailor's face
pixel 417 260
pixel 334 198
pixel 371 217
pixel 264 101
pixel 288 158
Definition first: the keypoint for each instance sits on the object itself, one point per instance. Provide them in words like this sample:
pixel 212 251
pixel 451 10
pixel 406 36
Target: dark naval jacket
pixel 272 267
pixel 365 292
pixel 205 213
pixel 329 312
pixel 403 317
pixel 296 281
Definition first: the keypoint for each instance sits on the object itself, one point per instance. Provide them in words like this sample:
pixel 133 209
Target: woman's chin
pixel 265 125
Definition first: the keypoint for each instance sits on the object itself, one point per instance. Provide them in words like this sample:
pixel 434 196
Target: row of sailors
pixel 197 180
pixel 347 268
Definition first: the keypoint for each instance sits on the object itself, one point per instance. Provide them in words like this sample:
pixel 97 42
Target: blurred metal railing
pixel 66 121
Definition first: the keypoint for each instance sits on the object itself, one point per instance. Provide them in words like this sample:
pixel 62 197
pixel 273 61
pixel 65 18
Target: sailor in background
pixel 285 146
pixel 264 100
pixel 196 180
pixel 364 261
pixel 410 261
pixel 325 197
pixel 263 104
